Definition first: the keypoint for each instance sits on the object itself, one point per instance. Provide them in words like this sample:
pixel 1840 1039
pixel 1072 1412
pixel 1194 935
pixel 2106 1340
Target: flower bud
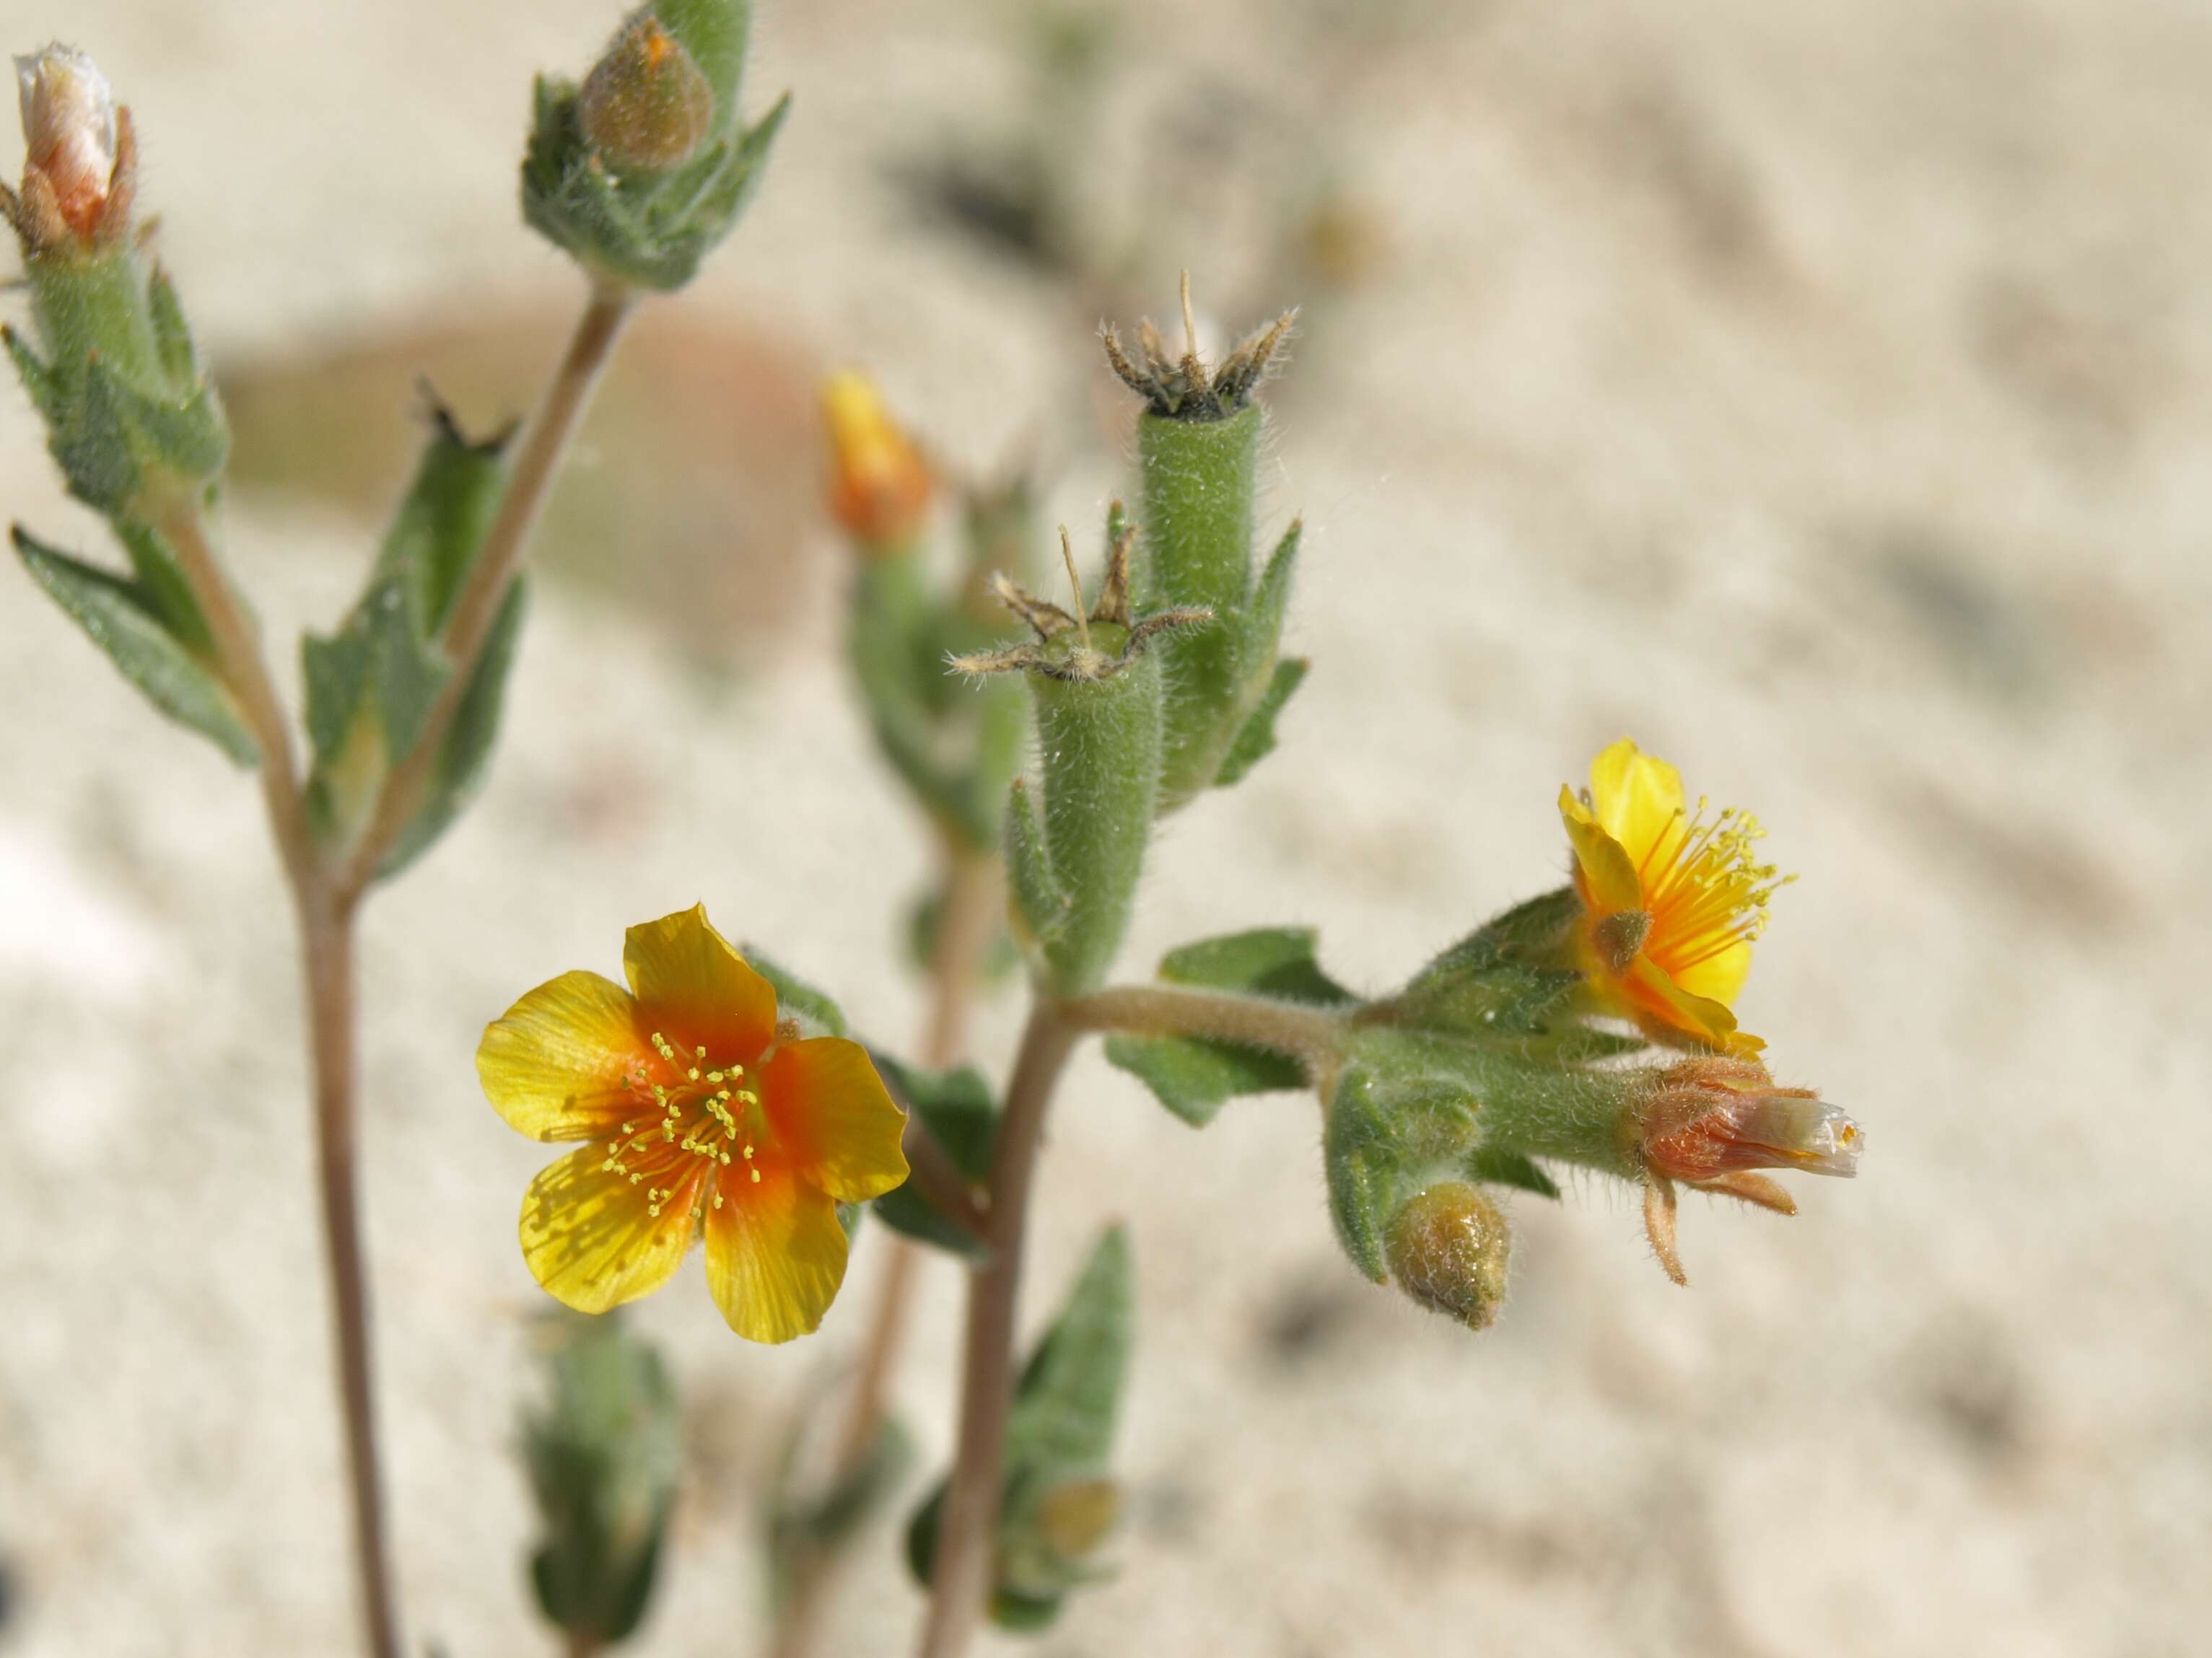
pixel 77 152
pixel 647 107
pixel 1715 1115
pixel 1448 1250
pixel 879 487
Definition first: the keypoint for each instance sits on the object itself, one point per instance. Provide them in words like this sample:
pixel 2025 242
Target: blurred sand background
pixel 1818 392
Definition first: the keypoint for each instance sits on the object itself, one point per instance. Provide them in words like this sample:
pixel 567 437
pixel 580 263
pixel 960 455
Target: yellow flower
pixel 1673 898
pixel 879 486
pixel 703 1114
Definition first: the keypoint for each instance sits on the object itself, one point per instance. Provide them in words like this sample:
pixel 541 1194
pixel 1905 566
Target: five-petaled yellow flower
pixel 701 1114
pixel 1674 898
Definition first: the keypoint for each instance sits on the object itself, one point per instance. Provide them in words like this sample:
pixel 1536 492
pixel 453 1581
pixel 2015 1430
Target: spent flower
pixel 1714 1122
pixel 703 1115
pixel 1673 898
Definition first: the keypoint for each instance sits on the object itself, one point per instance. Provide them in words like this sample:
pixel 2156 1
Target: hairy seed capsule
pixel 1448 1251
pixel 645 106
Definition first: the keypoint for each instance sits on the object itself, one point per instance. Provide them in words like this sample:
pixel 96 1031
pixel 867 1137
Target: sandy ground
pixel 1818 393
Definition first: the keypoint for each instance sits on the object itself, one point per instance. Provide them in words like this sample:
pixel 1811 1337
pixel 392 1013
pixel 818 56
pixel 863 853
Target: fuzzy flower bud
pixel 77 152
pixel 879 486
pixel 1715 1117
pixel 647 107
pixel 1448 1251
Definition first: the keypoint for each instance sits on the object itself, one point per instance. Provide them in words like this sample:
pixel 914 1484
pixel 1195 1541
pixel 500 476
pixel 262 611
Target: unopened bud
pixel 1448 1249
pixel 1715 1115
pixel 76 162
pixel 647 107
pixel 879 486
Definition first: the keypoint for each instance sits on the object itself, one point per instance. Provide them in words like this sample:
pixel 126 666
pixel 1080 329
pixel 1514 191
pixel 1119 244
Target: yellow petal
pixel 553 1064
pixel 589 1236
pixel 1639 798
pixel 834 1121
pixel 697 987
pixel 1719 977
pixel 1608 876
pixel 775 1255
pixel 1699 1017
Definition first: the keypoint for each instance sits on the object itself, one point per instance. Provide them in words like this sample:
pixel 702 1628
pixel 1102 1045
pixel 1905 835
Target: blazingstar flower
pixel 1674 898
pixel 1714 1121
pixel 78 161
pixel 879 486
pixel 702 1114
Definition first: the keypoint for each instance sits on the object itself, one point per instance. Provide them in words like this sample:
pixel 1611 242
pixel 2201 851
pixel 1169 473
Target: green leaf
pixel 1256 738
pixel 163 586
pixel 956 1107
pixel 122 619
pixel 958 1110
pixel 1264 961
pixel 803 1525
pixel 1500 1167
pixel 795 997
pixel 1196 1077
pixel 465 754
pixel 1060 1434
pixel 604 1455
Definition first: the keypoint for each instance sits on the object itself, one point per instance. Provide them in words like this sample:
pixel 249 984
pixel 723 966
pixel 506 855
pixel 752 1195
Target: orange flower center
pixel 1704 888
pixel 700 1122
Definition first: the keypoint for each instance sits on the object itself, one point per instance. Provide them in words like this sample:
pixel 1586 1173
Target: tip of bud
pixel 1448 1250
pixel 75 151
pixel 879 485
pixel 647 105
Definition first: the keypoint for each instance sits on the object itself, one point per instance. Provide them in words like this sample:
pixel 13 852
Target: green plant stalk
pixel 1198 479
pixel 968 1534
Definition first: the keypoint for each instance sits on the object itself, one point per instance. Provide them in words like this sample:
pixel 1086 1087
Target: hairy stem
pixel 246 672
pixel 973 896
pixel 1310 1034
pixel 967 1543
pixel 536 464
pixel 326 944
pixel 327 939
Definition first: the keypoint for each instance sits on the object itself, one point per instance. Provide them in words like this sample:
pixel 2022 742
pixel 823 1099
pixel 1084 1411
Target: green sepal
pixel 1500 1167
pixel 1098 742
pixel 1513 983
pixel 715 34
pixel 465 755
pixel 1060 1434
pixel 1040 903
pixel 1387 1138
pixel 125 619
pixel 1255 738
pixel 817 1014
pixel 1196 1077
pixel 650 230
pixel 119 387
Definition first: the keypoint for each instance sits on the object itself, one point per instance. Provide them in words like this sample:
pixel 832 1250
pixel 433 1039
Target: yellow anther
pixel 755 1173
pixel 717 1199
pixel 748 1148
